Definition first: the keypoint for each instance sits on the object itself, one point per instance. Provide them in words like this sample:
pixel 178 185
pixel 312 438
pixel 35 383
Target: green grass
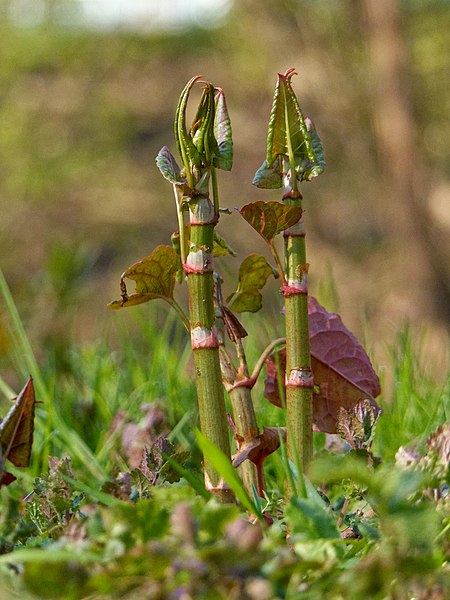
pixel 80 402
pixel 417 403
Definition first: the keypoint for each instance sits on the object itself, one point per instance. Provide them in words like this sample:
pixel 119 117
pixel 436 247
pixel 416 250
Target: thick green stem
pixel 204 340
pixel 299 380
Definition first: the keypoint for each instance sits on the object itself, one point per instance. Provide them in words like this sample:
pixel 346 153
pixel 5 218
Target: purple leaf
pixel 343 374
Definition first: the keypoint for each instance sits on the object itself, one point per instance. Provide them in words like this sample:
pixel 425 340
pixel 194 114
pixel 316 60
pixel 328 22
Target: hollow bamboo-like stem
pixel 204 339
pixel 299 379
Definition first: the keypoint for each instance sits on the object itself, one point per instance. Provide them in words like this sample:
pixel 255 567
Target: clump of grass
pixel 416 404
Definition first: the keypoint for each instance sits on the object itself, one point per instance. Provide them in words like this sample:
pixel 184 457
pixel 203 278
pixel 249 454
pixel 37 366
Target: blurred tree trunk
pixel 398 143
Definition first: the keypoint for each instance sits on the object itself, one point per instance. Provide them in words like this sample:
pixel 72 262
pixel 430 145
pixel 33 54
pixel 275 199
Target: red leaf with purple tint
pixel 343 374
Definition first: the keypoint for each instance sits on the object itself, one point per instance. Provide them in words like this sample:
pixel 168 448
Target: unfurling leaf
pixel 270 218
pixel 343 375
pixel 168 166
pixel 222 132
pixel 291 138
pixel 318 165
pixel 16 430
pixel 208 142
pixel 154 276
pixel 253 274
pixel 269 178
pixel 202 129
pixel 186 147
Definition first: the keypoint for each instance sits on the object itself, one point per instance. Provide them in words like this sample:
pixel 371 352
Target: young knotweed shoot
pixel 207 145
pixel 294 154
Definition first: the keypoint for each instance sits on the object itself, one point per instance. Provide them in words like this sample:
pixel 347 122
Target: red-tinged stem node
pixel 300 377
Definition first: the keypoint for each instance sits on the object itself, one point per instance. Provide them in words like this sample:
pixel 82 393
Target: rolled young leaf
pixel 168 166
pixel 291 138
pixel 222 133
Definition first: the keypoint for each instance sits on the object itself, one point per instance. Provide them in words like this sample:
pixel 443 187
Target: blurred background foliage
pixel 87 97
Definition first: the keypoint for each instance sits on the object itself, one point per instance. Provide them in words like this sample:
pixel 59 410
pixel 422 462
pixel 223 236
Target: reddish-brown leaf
pixel 154 276
pixel 270 218
pixel 343 374
pixel 16 430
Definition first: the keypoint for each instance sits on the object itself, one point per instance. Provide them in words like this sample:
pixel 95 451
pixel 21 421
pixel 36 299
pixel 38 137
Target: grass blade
pixel 226 470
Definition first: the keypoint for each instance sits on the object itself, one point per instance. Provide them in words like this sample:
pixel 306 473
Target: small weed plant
pixel 136 504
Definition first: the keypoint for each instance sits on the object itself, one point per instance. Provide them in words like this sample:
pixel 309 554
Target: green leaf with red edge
pixel 154 276
pixel 290 135
pixel 16 430
pixel 253 274
pixel 222 133
pixel 343 374
pixel 270 218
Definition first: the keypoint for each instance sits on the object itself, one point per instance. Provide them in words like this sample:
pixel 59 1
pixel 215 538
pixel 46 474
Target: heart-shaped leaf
pixel 16 430
pixel 290 137
pixel 253 274
pixel 168 166
pixel 343 374
pixel 154 276
pixel 270 218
